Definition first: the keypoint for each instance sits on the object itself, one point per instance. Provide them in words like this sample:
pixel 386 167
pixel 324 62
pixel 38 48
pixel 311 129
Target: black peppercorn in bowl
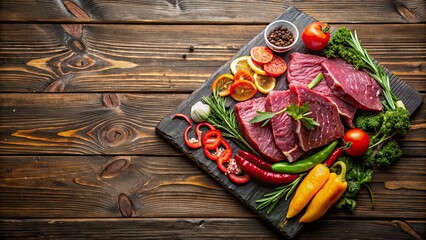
pixel 281 35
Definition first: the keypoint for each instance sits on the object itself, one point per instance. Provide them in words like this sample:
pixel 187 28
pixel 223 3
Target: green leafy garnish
pixel 356 177
pixel 299 113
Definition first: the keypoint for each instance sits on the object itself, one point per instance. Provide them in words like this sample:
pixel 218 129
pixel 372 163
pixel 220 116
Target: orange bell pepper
pixel 307 189
pixel 327 196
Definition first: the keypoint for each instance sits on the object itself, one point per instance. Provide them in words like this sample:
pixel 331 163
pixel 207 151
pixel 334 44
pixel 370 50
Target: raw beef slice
pixel 261 138
pixel 353 86
pixel 303 68
pixel 323 111
pixel 282 125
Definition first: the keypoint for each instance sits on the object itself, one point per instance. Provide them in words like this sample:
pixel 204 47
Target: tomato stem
pixel 325 28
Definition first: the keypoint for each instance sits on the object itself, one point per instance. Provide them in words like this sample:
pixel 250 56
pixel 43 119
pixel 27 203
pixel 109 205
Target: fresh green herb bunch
pixel 384 125
pixel 225 120
pixel 339 47
pixel 384 157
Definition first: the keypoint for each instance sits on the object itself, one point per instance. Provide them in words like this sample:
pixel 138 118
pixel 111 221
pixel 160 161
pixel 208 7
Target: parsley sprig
pixel 298 113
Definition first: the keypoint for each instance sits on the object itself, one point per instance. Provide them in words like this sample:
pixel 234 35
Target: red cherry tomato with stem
pixel 316 35
pixel 357 140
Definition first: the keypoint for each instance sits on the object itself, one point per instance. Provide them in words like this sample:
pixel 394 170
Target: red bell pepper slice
pixel 191 144
pixel 223 158
pixel 214 155
pixel 239 179
pixel 212 139
pixel 206 124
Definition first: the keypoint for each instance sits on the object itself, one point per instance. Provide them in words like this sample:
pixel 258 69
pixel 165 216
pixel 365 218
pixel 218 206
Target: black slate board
pixel 249 193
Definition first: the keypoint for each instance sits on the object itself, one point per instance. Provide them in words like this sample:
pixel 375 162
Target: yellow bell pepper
pixel 327 196
pixel 307 189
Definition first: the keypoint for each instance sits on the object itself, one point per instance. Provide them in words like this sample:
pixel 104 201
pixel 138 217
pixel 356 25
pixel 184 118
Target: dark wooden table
pixel 84 83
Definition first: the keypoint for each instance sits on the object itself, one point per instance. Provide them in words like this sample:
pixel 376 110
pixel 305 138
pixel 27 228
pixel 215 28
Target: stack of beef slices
pixel 335 99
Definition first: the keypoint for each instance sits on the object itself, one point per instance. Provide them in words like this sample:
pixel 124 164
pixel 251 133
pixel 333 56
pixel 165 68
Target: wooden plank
pixel 86 124
pixel 45 57
pixel 250 192
pixel 90 186
pixel 222 11
pixel 201 228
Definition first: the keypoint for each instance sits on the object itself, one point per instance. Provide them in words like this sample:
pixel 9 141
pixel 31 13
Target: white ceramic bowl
pixel 284 23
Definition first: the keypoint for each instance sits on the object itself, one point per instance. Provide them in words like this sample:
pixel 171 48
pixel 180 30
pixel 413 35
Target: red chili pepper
pixel 239 179
pixel 255 160
pixel 263 175
pixel 196 144
pixel 338 152
pixel 211 127
pixel 223 158
pixel 212 139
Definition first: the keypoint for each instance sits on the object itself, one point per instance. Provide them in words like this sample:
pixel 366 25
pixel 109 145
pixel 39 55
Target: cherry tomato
pixel 276 67
pixel 261 54
pixel 222 84
pixel 316 35
pixel 359 142
pixel 242 90
pixel 243 75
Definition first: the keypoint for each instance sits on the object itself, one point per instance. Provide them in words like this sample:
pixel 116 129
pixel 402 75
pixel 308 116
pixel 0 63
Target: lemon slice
pixel 264 83
pixel 240 64
pixel 257 68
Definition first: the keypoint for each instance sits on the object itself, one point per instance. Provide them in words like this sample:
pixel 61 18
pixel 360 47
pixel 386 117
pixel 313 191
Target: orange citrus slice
pixel 223 84
pixel 263 83
pixel 240 64
pixel 257 68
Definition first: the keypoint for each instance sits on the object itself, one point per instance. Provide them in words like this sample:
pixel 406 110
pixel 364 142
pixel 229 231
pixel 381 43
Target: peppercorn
pixel 281 37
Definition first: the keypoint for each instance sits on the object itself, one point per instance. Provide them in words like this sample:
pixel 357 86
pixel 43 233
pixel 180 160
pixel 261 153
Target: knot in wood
pixel 56 86
pixel 77 45
pixel 406 13
pixel 75 30
pixel 110 100
pixel 115 167
pixel 116 135
pixel 125 205
pixel 76 10
pixel 81 62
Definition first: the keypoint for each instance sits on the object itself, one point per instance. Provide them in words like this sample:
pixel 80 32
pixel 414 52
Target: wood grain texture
pixel 218 11
pixel 107 123
pixel 84 124
pixel 203 228
pixel 148 186
pixel 40 57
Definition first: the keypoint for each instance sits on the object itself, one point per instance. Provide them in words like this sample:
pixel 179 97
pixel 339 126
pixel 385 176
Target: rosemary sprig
pixel 271 199
pixel 225 120
pixel 299 113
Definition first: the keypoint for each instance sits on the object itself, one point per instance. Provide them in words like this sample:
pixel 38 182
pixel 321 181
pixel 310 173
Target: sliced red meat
pixel 260 138
pixel 322 111
pixel 282 125
pixel 354 86
pixel 303 68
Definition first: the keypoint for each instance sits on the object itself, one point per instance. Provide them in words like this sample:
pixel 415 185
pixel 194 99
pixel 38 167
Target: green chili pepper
pixel 305 164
